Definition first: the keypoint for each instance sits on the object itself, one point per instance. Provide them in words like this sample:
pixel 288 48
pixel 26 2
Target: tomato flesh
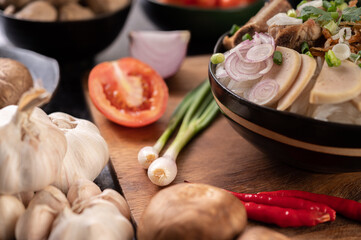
pixel 128 92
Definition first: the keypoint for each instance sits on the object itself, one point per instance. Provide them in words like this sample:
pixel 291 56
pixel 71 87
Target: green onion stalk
pixel 196 112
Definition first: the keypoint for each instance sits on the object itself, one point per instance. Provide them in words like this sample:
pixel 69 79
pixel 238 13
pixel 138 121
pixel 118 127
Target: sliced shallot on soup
pixel 263 92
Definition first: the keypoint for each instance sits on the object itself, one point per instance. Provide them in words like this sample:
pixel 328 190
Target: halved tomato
pixel 128 92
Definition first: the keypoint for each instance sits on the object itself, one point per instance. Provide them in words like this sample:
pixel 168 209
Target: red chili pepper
pixel 286 202
pixel 284 217
pixel 345 207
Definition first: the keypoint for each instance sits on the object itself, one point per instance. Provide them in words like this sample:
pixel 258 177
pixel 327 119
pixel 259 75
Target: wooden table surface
pixel 220 157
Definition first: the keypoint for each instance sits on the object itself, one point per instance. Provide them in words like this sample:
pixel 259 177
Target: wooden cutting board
pixel 220 157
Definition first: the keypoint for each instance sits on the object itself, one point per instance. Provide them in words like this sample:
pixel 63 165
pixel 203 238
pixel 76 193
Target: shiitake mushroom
pixel 262 233
pixel 106 6
pixel 192 211
pixel 38 11
pixel 15 79
pixel 74 11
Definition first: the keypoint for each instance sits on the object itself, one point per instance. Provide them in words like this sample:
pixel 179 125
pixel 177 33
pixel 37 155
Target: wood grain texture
pixel 220 157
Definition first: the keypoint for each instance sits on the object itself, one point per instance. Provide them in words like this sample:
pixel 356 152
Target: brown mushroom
pixel 192 211
pixel 74 11
pixel 262 233
pixel 15 3
pixel 15 79
pixel 58 3
pixel 106 6
pixel 38 11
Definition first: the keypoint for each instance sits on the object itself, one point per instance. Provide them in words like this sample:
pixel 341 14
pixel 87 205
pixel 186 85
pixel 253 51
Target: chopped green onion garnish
pixel 246 36
pixel 342 6
pixel 332 27
pixel 308 53
pixel 304 47
pixel 217 58
pixel 292 13
pixel 334 15
pixel 354 57
pixel 331 59
pixel 277 57
pixel 329 6
pixel 339 2
pixel 302 2
pixel 234 29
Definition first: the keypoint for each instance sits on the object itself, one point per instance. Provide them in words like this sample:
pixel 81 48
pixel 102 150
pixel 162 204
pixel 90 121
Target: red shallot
pixel 263 91
pixel 250 59
pixel 164 51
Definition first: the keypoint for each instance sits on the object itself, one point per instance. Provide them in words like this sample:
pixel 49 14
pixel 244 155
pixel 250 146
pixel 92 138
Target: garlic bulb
pixel 87 152
pixel 82 190
pixel 36 222
pixel 32 148
pixel 109 195
pixel 101 221
pixel 10 210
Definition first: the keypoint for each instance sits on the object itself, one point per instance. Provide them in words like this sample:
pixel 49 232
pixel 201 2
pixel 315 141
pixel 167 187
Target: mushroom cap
pixel 192 211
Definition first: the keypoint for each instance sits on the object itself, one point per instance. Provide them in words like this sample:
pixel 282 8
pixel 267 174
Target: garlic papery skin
pixel 11 209
pixel 52 197
pixel 109 195
pixel 32 148
pixel 81 190
pixel 101 221
pixel 36 222
pixel 25 197
pixel 87 151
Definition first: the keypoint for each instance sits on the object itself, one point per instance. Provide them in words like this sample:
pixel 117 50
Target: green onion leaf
pixel 302 2
pixel 217 58
pixel 308 53
pixel 277 57
pixel 339 2
pixel 331 59
pixel 304 47
pixel 328 61
pixel 342 6
pixel 332 27
pixel 246 36
pixel 234 29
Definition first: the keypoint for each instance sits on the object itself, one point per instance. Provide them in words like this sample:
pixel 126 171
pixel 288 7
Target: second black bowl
pixel 205 24
pixel 65 40
pixel 296 140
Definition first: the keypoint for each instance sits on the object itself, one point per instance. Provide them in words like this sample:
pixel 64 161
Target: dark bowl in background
pixel 297 140
pixel 68 40
pixel 205 24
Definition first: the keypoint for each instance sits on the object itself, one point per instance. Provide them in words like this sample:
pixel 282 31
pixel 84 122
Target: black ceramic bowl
pixel 205 25
pixel 44 70
pixel 68 40
pixel 297 140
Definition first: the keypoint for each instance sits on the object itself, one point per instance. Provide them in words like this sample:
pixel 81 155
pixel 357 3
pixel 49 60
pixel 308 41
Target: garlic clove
pixel 87 152
pixel 52 197
pixel 118 200
pixel 109 195
pixel 100 221
pixel 35 223
pixel 38 218
pixel 10 210
pixel 81 190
